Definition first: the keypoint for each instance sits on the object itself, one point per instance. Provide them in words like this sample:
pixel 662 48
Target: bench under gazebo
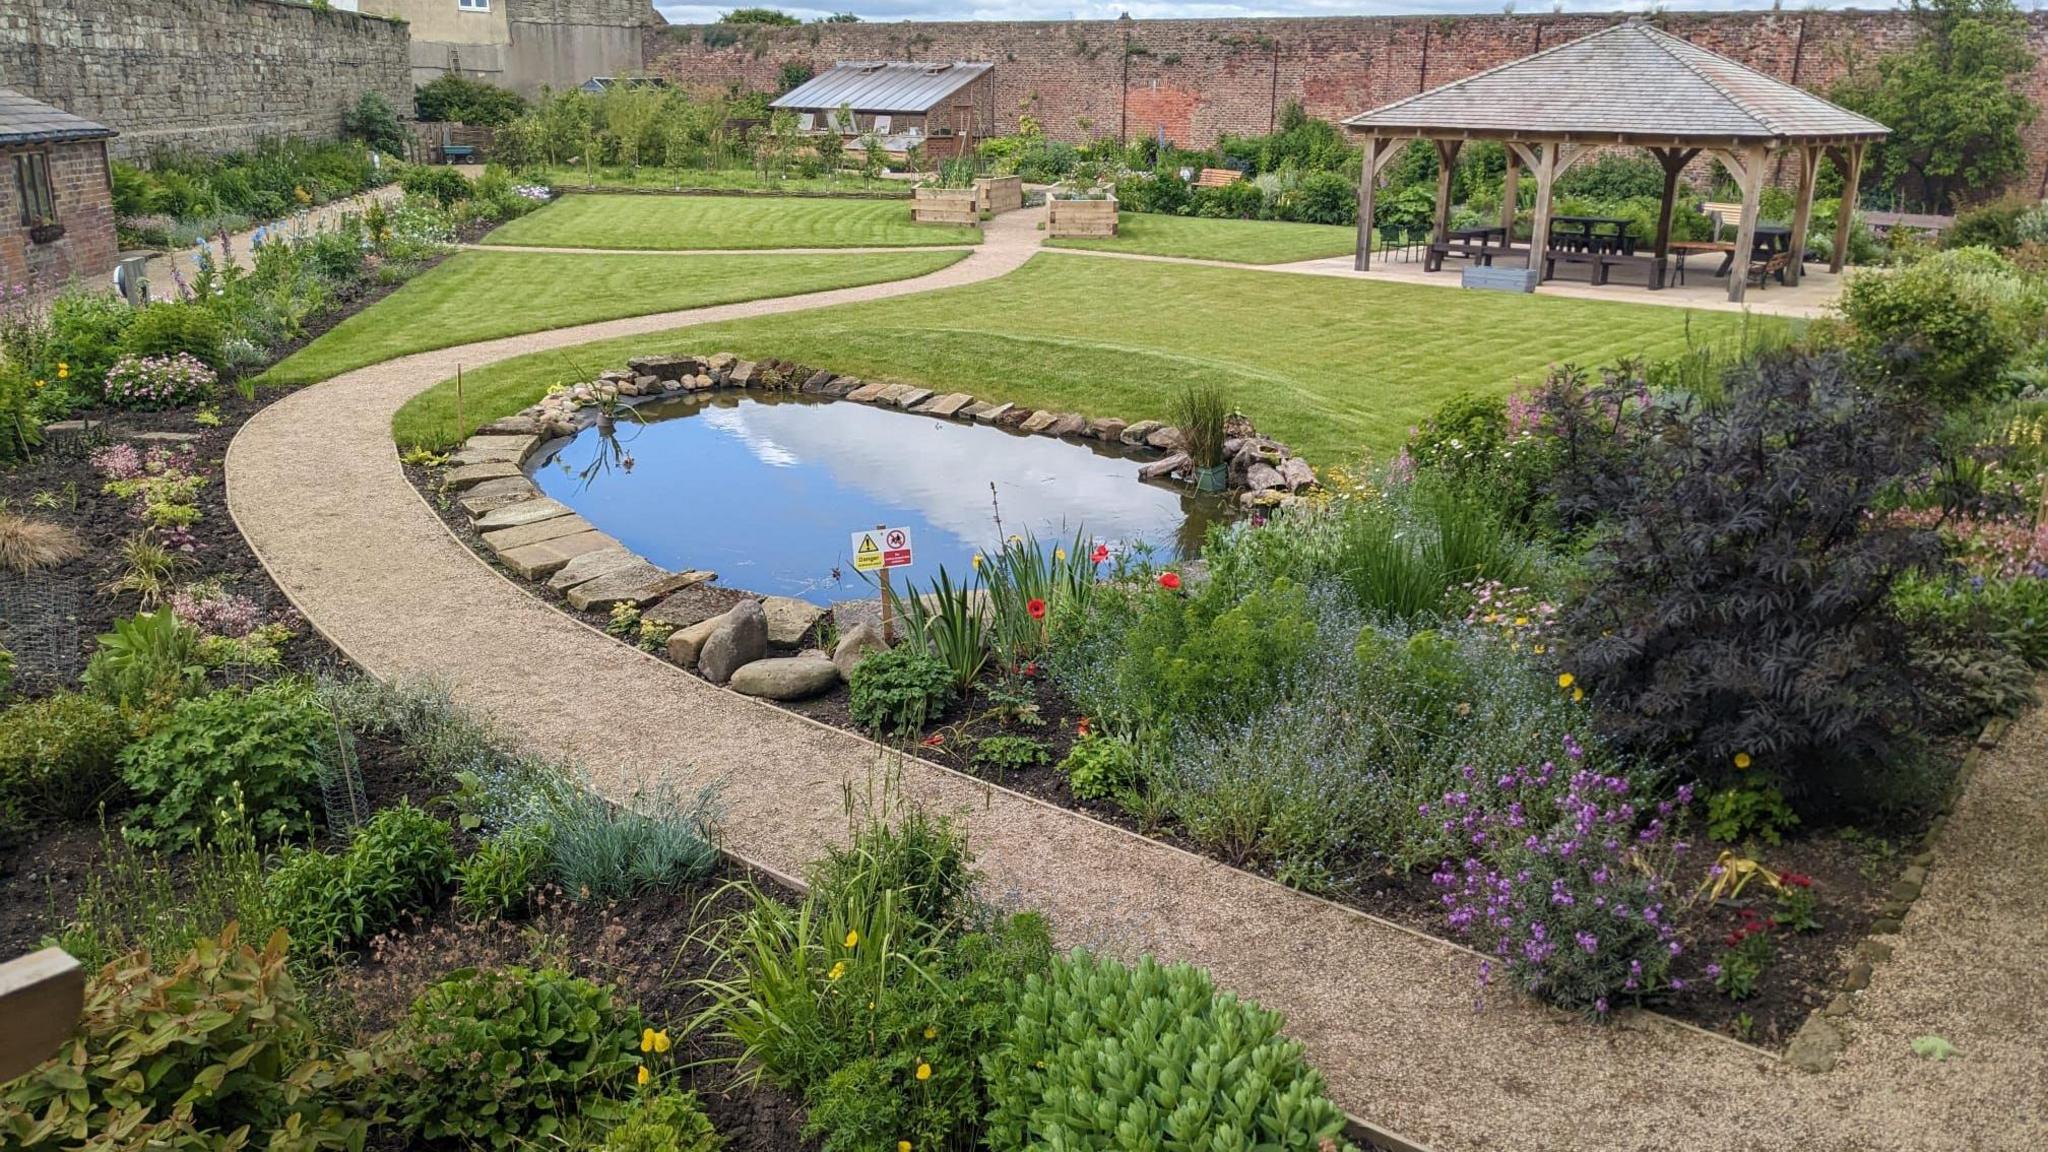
pixel 1629 86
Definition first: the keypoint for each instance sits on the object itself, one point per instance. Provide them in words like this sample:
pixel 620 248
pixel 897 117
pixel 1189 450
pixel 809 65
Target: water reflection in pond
pixel 766 490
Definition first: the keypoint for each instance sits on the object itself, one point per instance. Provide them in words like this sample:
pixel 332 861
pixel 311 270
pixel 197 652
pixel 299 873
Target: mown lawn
pixel 1239 241
pixel 485 295
pixel 682 223
pixel 1338 368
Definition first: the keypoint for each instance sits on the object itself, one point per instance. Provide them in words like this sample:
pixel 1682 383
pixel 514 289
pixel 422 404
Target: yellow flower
pixel 837 971
pixel 1521 621
pixel 1578 694
pixel 1536 648
pixel 924 1071
pixel 1060 554
pixel 647 1039
pixel 42 383
pixel 903 1146
pixel 63 370
pixel 1565 679
pixel 643 1077
pixel 661 1041
pixel 977 559
pixel 852 937
pixel 1742 760
pixel 931 1032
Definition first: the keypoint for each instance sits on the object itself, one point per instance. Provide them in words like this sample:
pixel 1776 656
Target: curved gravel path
pixel 1387 1014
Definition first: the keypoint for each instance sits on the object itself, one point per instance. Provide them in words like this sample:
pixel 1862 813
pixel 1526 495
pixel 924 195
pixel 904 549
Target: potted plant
pixel 1200 413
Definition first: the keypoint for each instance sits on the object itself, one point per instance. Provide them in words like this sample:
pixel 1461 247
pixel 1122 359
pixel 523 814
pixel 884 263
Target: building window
pixel 473 5
pixel 32 181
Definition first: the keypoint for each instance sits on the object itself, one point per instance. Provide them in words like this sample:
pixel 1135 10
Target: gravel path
pixel 1387 1014
pixel 162 285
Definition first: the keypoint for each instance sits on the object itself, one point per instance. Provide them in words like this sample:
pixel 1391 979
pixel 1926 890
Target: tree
pixel 771 17
pixel 374 122
pixel 1950 101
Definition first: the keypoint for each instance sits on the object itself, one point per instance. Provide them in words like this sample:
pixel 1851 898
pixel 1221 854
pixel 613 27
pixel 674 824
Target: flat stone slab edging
pixel 315 485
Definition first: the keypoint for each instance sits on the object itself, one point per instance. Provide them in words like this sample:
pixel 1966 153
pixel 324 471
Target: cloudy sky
pixel 1155 9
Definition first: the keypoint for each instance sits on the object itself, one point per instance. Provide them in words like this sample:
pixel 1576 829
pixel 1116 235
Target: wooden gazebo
pixel 1629 85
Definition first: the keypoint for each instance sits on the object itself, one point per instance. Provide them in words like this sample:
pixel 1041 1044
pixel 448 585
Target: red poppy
pixel 1100 554
pixel 1036 607
pixel 1170 581
pixel 1030 670
pixel 934 740
pixel 1795 879
pixel 1083 727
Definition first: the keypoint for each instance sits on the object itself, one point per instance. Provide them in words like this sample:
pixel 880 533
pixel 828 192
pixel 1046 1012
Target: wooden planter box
pixel 946 206
pixel 1000 193
pixel 1501 279
pixel 1080 217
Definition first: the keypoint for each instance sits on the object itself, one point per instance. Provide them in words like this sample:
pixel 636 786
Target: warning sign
pixel 880 548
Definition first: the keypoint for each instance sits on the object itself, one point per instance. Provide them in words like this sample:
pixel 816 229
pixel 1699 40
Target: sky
pixel 883 10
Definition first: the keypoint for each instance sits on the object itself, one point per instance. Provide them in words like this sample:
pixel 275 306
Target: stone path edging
pixel 314 484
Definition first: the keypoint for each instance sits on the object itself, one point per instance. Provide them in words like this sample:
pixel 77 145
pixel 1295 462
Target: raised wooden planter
pixel 946 206
pixel 1080 217
pixel 1501 279
pixel 1000 193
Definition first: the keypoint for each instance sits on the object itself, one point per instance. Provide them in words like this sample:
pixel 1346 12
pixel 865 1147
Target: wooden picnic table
pixel 1771 239
pixel 1588 234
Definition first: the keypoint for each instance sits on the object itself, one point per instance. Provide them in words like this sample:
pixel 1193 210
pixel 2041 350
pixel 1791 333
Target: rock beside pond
pixel 1261 476
pixel 1068 424
pixel 1106 428
pixel 818 381
pixel 789 619
pixel 947 405
pixel 470 475
pixel 1166 466
pixel 590 566
pixel 664 367
pixel 1135 434
pixel 855 645
pixel 1297 473
pixel 988 413
pixel 513 515
pixel 740 639
pixel 512 426
pixel 1166 439
pixel 685 643
pixel 785 678
pixel 1038 421
pixel 697 603
pixel 481 498
pixel 636 584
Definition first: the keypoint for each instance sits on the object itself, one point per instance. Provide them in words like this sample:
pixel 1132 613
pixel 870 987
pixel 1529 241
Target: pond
pixel 768 490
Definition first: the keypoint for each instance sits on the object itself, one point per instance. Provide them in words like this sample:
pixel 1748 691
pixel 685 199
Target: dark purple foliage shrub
pixel 1738 582
pixel 1566 882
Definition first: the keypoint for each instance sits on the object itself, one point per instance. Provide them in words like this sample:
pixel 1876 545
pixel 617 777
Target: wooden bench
pixel 1218 177
pixel 1761 271
pixel 1722 214
pixel 1604 263
pixel 1481 254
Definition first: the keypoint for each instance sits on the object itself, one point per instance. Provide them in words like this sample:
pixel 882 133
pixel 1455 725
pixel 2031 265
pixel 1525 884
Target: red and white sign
pixel 880 548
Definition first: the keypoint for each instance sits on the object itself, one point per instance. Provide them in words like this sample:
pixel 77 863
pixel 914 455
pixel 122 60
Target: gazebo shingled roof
pixel 1628 84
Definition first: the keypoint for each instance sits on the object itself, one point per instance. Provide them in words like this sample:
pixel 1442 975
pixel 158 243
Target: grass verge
pixel 683 223
pixel 1238 241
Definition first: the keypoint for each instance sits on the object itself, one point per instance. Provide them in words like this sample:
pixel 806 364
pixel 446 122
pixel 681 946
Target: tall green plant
pixel 1200 412
pixel 950 623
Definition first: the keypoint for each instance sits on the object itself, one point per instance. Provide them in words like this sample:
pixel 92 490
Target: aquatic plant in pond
pixel 766 490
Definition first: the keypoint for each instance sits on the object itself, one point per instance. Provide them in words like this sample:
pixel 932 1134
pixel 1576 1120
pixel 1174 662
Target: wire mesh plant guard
pixel 341 789
pixel 39 625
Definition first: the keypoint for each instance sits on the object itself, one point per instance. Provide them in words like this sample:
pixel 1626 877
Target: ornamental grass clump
pixel 1565 881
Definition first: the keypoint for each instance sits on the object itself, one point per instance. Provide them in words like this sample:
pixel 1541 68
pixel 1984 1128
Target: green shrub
pixel 271 744
pixel 375 123
pixel 85 333
pixel 1099 767
pixel 170 327
pixel 502 1058
pixel 58 755
pixel 397 864
pixel 1759 810
pixel 1005 753
pixel 898 691
pixel 1203 660
pixel 497 878
pixel 667 1121
pixel 1949 327
pixel 921 859
pixel 604 851
pixel 192 1059
pixel 456 98
pixel 6 672
pixel 444 184
pixel 147 662
pixel 1099 1052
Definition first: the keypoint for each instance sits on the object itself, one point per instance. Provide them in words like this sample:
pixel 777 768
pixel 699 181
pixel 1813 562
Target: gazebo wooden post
pixel 1802 211
pixel 1542 161
pixel 1850 156
pixel 1674 161
pixel 1368 176
pixel 1446 161
pixel 1747 166
pixel 1510 197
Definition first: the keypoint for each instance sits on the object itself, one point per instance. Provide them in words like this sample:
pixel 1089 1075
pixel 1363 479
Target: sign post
pixel 879 550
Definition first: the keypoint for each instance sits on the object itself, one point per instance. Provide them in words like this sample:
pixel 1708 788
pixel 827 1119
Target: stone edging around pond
pixel 1820 1042
pixel 1264 471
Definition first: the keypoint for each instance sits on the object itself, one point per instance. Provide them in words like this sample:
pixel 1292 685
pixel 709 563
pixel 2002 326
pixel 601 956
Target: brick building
pixel 56 196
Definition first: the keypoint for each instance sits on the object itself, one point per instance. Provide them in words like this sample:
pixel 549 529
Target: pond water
pixel 767 490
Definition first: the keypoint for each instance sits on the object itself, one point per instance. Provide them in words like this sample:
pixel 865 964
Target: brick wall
pixel 206 74
pixel 78 176
pixel 1196 79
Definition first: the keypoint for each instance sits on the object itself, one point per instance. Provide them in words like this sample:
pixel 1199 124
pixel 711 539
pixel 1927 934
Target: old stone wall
pixel 211 75
pixel 1193 80
pixel 84 208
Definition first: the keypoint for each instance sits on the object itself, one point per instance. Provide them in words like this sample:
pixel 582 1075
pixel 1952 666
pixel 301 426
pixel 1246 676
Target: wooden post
pixel 1674 161
pixel 1845 212
pixel 1748 169
pixel 461 429
pixel 41 995
pixel 1539 228
pixel 1510 197
pixel 1802 212
pixel 1446 161
pixel 888 612
pixel 1368 175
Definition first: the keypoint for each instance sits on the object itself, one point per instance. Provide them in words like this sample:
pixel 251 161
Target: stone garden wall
pixel 1193 80
pixel 212 75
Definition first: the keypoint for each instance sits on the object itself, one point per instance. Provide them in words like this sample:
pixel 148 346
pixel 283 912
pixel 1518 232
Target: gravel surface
pixel 1387 1014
